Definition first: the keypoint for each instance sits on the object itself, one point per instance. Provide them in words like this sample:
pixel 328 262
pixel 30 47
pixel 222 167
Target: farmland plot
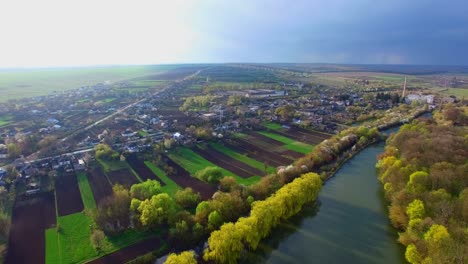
pixel 123 177
pixel 31 217
pixel 99 184
pixel 68 195
pixel 182 177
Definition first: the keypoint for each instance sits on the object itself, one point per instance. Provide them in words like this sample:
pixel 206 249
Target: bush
pixel 210 174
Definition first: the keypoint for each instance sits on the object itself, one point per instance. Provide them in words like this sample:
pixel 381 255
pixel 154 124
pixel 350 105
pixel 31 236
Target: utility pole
pixel 404 89
pixel 221 111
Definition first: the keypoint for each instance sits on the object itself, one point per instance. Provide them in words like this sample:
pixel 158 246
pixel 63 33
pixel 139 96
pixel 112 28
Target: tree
pixel 285 112
pixel 187 198
pixel 186 257
pixel 112 213
pixel 209 174
pixel 225 245
pixel 214 220
pixel 4 226
pixel 97 239
pixel 418 182
pixel 227 184
pixel 412 255
pixel 105 152
pixel 145 190
pixel 415 209
pixel 168 143
pixel 156 210
pixel 13 151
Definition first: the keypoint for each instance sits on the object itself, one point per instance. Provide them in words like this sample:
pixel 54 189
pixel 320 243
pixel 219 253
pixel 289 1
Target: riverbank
pixel 347 224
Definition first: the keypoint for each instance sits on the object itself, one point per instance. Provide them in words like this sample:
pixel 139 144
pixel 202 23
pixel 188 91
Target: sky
pixel 100 32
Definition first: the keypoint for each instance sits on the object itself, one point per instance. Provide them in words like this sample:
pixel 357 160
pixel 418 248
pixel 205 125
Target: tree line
pixel 424 174
pixel 227 244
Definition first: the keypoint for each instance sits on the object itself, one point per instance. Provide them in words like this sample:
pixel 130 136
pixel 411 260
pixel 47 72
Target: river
pixel 347 224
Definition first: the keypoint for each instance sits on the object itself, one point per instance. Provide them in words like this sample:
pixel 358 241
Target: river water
pixel 347 224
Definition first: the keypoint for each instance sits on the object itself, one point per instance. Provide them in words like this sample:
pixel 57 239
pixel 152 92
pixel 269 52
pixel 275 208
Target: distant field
pixel 15 84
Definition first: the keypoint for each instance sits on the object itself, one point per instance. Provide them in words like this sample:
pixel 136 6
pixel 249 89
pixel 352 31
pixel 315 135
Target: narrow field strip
pixel 171 187
pixel 85 190
pixel 242 158
pixel 289 143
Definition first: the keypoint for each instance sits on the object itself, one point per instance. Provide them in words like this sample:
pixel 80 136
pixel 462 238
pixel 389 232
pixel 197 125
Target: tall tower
pixel 404 89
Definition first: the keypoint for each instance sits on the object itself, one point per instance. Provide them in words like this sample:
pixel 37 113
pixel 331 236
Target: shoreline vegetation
pixel 423 173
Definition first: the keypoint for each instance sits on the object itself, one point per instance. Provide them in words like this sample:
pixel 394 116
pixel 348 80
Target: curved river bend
pixel 348 224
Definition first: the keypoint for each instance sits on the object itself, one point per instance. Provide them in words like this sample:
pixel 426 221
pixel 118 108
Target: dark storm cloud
pixel 412 32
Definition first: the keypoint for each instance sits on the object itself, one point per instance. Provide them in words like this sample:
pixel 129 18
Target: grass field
pixel 273 126
pixel 290 143
pixel 5 120
pixel 105 101
pixel 193 162
pixel 171 187
pixel 458 92
pixel 242 158
pixel 71 244
pixel 112 165
pixel 85 190
pixel 22 83
pixel 142 133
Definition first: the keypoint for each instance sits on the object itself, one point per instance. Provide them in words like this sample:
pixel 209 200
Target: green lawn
pixel 106 101
pixel 171 187
pixel 290 143
pixel 142 133
pixel 193 162
pixel 242 158
pixel 72 243
pixel 52 246
pixel 273 126
pixel 5 120
pixel 112 165
pixel 86 193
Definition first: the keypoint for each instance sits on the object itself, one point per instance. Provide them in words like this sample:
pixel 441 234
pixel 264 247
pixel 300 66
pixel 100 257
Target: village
pixel 42 121
pixel 105 135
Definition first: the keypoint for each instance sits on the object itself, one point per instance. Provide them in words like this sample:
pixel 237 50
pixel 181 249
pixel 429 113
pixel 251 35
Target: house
pixel 263 93
pixel 3 173
pixel 128 133
pixel 3 151
pixel 419 98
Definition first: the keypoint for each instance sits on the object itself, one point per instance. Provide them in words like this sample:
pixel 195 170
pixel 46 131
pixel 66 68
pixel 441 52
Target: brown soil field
pixel 260 137
pixel 124 177
pixel 32 215
pixel 99 184
pixel 228 163
pixel 143 171
pixel 68 195
pixel 183 179
pixel 252 148
pixel 252 154
pixel 131 252
pixel 313 136
pixel 292 154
